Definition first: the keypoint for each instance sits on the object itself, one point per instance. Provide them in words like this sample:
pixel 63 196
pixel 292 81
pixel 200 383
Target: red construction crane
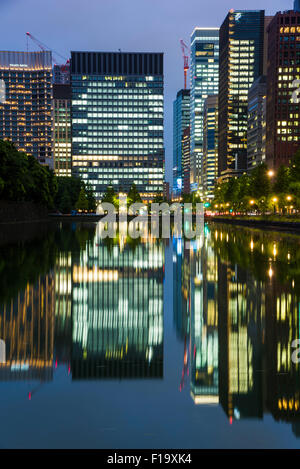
pixel 44 47
pixel 185 54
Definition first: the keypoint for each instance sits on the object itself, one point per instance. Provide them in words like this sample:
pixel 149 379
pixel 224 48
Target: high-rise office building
pixel 241 63
pixel 61 74
pixel 210 146
pixel 26 113
pixel 186 155
pixel 181 120
pixel 297 5
pixel 204 81
pixel 117 121
pixel 256 134
pixel 62 130
pixel 283 113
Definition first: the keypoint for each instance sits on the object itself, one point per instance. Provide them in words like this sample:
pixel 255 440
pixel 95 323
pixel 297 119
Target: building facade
pixel 256 134
pixel 26 112
pixel 204 82
pixel 181 120
pixel 61 74
pixel 62 130
pixel 241 63
pixel 117 121
pixel 210 146
pixel 186 154
pixel 283 131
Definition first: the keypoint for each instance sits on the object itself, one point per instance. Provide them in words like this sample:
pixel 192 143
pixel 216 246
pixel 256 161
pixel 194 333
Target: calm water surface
pixel 142 344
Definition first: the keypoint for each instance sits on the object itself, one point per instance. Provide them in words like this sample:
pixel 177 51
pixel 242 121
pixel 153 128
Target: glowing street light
pixel 271 173
pixel 252 202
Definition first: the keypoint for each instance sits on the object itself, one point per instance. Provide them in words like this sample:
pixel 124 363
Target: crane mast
pixel 185 54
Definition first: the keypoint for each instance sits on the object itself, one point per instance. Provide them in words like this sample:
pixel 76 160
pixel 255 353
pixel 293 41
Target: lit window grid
pixel 114 122
pixel 26 116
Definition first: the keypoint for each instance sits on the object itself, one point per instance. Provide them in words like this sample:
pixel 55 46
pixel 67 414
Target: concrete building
pixel 62 130
pixel 26 113
pixel 283 131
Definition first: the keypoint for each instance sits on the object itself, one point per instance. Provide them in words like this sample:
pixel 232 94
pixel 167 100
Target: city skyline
pixel 160 33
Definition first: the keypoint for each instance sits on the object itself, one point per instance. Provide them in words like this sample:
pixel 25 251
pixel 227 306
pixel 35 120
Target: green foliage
pixel 92 204
pixel 257 188
pixel 133 196
pixel 260 184
pixel 82 202
pixel 68 193
pixel 282 180
pixel 295 167
pixel 23 178
pixel 110 196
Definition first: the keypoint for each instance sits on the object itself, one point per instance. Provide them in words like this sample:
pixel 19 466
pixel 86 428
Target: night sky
pixel 129 25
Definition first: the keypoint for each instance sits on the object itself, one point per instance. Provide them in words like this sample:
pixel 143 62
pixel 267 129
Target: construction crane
pixel 185 54
pixel 44 47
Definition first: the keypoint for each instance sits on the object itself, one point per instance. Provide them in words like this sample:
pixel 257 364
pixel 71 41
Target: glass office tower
pixel 241 63
pixel 204 82
pixel 26 113
pixel 117 121
pixel 256 135
pixel 181 120
pixel 210 146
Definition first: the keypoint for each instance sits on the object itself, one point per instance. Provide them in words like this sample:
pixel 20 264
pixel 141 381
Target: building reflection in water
pixel 199 312
pixel 27 332
pixel 239 305
pixel 117 310
pixel 96 306
pixel 98 310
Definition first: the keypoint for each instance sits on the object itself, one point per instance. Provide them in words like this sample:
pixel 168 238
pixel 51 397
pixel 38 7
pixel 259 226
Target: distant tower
pixel 296 5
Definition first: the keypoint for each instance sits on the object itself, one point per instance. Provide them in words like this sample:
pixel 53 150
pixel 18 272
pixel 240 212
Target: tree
pixel 260 185
pixel 133 196
pixel 282 180
pixel 66 202
pixel 110 196
pixel 82 202
pixel 295 167
pixel 68 190
pixel 92 204
pixel 24 178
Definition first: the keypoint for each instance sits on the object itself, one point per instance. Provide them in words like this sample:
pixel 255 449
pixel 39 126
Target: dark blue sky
pixel 131 25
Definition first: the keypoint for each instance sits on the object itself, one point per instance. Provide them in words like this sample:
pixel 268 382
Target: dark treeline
pixel 23 178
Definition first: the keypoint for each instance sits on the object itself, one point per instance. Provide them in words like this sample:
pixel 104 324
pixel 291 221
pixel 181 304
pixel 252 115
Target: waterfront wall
pixel 21 212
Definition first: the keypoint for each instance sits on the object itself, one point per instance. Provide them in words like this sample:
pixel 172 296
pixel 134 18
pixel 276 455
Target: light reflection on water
pixel 196 335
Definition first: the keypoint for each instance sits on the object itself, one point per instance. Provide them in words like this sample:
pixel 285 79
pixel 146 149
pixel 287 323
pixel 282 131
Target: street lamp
pixel 271 173
pixel 274 200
